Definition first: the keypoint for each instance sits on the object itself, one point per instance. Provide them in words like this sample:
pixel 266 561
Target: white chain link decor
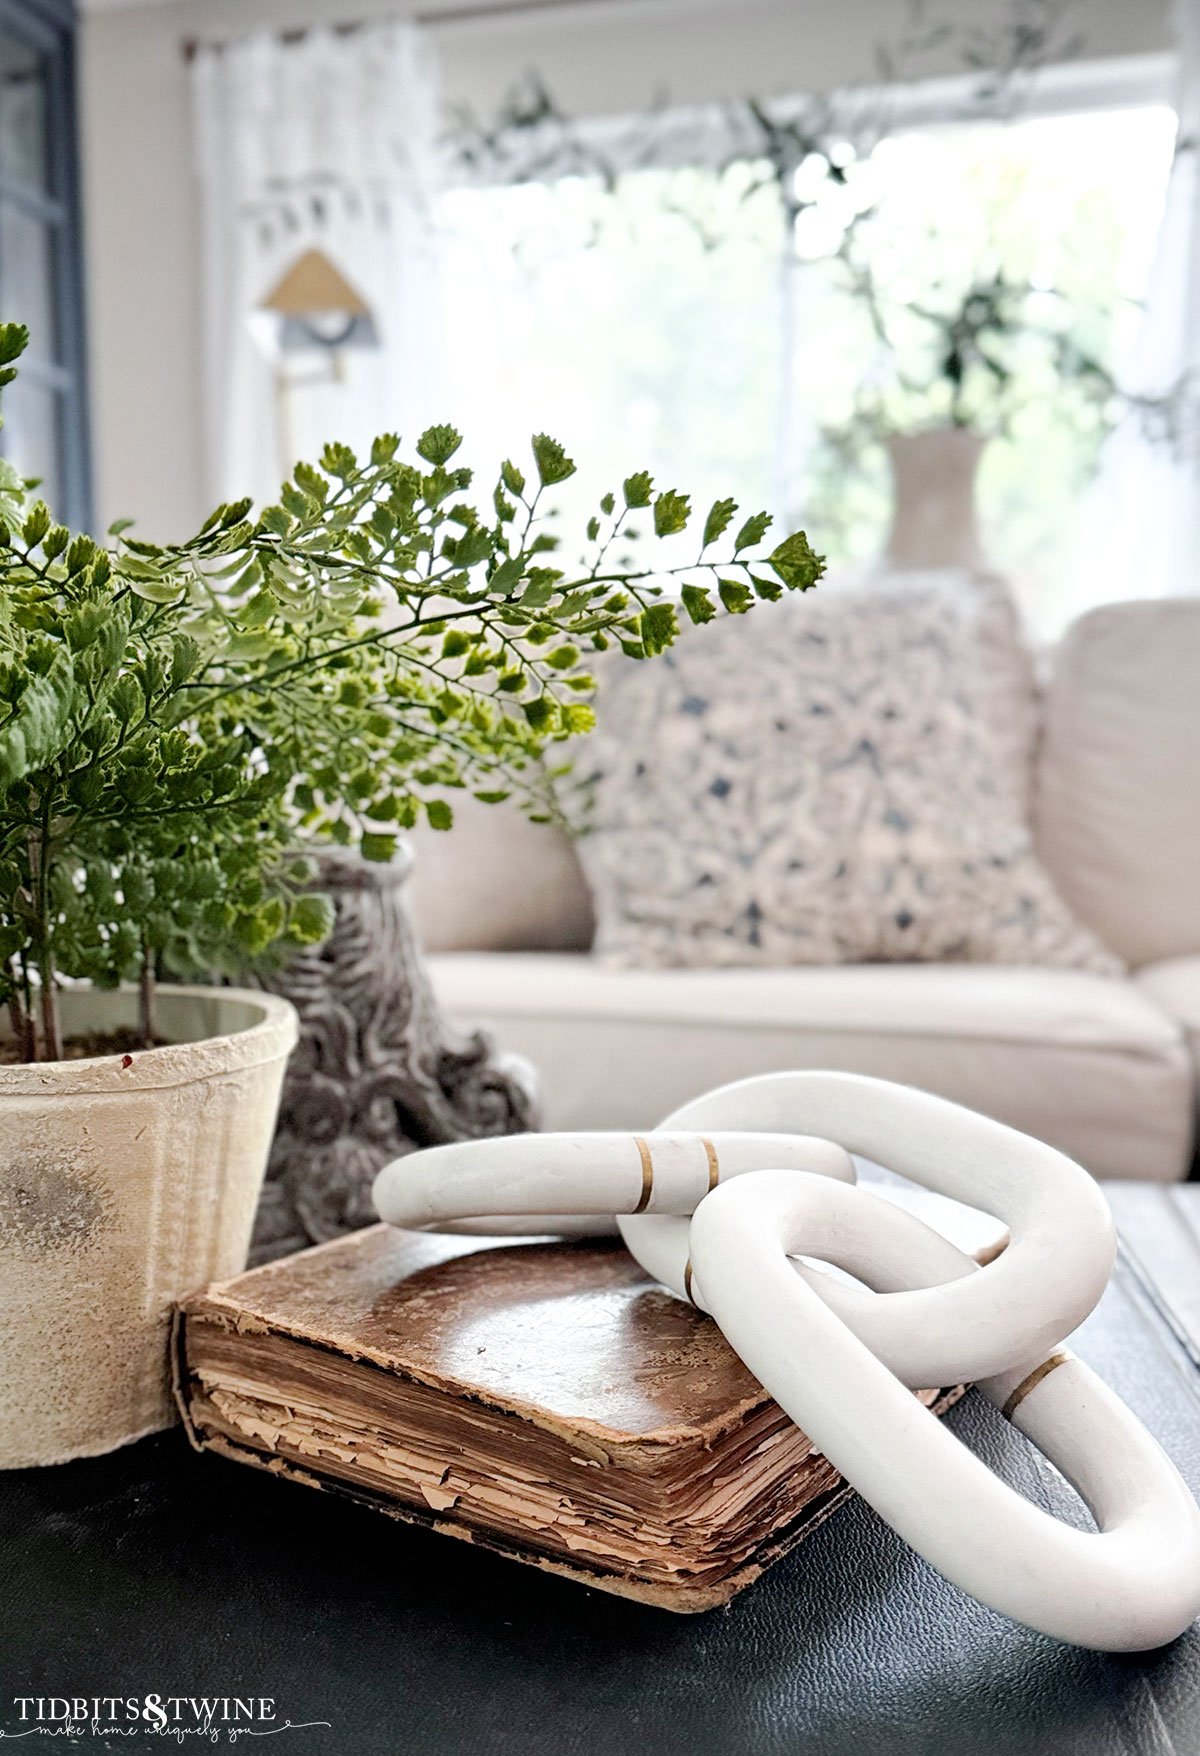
pixel 745 1198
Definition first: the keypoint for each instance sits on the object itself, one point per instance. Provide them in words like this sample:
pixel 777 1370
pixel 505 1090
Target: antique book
pixel 545 1400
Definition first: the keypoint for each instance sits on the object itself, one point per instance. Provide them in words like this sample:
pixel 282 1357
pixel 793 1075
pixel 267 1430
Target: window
pixel 641 328
pixel 667 318
pixel 44 430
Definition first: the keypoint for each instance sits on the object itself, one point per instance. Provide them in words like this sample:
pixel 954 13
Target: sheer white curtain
pixel 1142 536
pixel 327 141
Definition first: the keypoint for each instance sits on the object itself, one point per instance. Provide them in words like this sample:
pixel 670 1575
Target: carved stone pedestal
pixel 376 1073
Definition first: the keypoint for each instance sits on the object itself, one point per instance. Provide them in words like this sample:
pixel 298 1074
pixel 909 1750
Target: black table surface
pixel 155 1571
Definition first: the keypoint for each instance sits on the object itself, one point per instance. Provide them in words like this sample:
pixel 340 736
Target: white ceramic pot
pixel 126 1182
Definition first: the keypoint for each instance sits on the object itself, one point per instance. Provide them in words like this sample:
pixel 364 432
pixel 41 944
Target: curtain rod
pixel 444 15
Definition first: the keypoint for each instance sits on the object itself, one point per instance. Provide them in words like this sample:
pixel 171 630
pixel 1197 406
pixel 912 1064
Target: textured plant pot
pixel 934 518
pixel 125 1182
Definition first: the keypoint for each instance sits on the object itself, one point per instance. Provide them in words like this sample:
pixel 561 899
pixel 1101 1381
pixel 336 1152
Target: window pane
pixel 39 270
pixel 27 276
pixel 1067 207
pixel 641 327
pixel 651 324
pixel 30 438
pixel 23 139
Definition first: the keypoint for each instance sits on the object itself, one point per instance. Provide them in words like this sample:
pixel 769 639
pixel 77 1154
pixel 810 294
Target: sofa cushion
pixel 840 779
pixel 1118 786
pixel 1085 1062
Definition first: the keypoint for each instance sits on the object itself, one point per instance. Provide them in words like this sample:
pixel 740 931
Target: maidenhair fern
pixel 176 720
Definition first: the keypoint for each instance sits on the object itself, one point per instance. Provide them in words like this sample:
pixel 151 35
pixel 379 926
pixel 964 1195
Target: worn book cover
pixel 546 1400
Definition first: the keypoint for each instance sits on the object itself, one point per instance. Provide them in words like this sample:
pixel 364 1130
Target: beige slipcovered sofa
pixel 1107 1069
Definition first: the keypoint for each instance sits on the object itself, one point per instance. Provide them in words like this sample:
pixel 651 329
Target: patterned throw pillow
pixel 838 778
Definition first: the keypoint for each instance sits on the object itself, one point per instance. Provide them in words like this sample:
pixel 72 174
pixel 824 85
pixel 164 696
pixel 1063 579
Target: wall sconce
pixel 312 314
pixel 316 308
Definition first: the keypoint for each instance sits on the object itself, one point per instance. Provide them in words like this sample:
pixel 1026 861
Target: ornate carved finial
pixel 376 1073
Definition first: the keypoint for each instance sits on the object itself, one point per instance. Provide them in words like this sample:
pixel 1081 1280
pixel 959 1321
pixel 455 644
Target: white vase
pixel 126 1181
pixel 934 518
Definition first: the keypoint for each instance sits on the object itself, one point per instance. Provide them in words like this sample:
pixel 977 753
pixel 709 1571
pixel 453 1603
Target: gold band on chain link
pixel 647 1174
pixel 1034 1378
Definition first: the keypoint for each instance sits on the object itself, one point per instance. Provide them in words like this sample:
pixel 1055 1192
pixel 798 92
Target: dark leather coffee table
pixel 158 1571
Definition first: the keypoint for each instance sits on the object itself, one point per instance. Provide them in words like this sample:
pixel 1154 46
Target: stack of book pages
pixel 545 1400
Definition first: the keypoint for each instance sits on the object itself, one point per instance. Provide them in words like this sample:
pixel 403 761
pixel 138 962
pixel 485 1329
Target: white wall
pixel 597 56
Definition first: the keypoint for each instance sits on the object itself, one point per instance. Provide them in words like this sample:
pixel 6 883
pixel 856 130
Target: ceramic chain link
pixel 743 1199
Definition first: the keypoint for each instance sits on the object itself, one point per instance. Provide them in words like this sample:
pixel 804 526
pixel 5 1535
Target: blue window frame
pixel 45 411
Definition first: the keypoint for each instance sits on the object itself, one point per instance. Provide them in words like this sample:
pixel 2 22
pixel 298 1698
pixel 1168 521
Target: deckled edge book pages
pixel 545 1401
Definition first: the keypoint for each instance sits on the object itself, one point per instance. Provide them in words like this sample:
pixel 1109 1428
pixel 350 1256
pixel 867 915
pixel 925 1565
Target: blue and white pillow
pixel 841 777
